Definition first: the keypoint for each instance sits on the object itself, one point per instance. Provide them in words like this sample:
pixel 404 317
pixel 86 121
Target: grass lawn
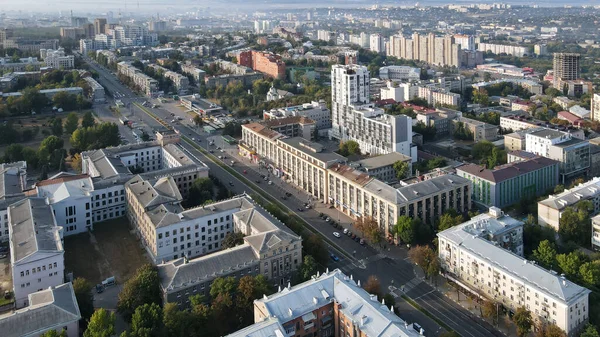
pixel 114 252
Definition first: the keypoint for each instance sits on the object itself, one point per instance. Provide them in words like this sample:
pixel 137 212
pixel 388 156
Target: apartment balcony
pixel 309 326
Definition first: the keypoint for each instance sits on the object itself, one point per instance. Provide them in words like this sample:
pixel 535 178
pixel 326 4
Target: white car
pixel 270 182
pixel 337 235
pixel 327 219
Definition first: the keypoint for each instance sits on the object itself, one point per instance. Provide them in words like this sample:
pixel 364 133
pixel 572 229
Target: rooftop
pixel 10 178
pixel 569 197
pixel 49 309
pixel 383 160
pixel 507 171
pixel 431 186
pixel 270 327
pixel 313 149
pixel 33 229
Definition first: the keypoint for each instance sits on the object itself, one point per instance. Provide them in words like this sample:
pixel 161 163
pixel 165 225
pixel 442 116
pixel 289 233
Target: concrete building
pixel 97 93
pixel 223 80
pixel 295 126
pixel 100 25
pixel 180 82
pixel 508 184
pixel 438 96
pixel 52 309
pixel 596 232
pixel 400 73
pixel 145 83
pixel 36 249
pixel 158 26
pixel 503 49
pixel 565 67
pixel 392 91
pixel 377 43
pixel 481 131
pixel 573 154
pixel 270 64
pixel 197 73
pixel 479 255
pixel 24 64
pixel 330 304
pixel 382 167
pixel 57 59
pixel 316 111
pixel 441 120
pixel 595 105
pixel 277 94
pixel 516 141
pixel 436 50
pixel 13 181
pixel 550 210
pixel 269 249
pixel 349 87
pixel 72 33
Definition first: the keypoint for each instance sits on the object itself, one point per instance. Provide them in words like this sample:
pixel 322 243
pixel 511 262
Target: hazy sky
pixel 154 5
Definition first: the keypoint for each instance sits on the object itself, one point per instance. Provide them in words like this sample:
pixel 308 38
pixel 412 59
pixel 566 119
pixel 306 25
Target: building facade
pixel 550 209
pixel 145 83
pixel 316 111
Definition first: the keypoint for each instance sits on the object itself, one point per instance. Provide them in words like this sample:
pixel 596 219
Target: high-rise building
pixel 158 26
pixel 595 107
pixel 377 43
pixel 99 25
pixel 350 86
pixel 566 67
pixel 438 50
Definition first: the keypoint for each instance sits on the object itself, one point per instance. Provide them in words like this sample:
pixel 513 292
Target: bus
pixel 229 140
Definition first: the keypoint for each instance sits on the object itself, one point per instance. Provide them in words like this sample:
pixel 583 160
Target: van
pixel 109 282
pixel 418 328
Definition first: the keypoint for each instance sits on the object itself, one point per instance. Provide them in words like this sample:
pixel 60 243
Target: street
pixel 391 265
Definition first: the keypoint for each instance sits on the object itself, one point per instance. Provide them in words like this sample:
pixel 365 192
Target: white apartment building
pixel 325 35
pixel 596 232
pixel 57 59
pixel 503 49
pixel 197 73
pixel 316 111
pixel 550 210
pixel 146 84
pixel 36 248
pixel 51 309
pixel 349 87
pixel 479 254
pixel 435 96
pixel 390 91
pixel 400 73
pixel 97 93
pixel 595 105
pixel 377 43
pixel 13 181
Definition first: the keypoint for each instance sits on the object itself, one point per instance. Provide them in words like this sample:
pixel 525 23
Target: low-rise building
pixel 52 309
pixel 296 126
pixel 551 209
pixel 382 167
pixel 267 63
pixel 197 74
pixel 438 96
pixel 480 255
pixel 511 183
pixel 36 248
pixel 180 82
pixel 441 120
pixel 399 73
pixel 316 111
pixel 223 80
pixel 146 84
pixel 277 94
pixel 57 59
pixel 480 130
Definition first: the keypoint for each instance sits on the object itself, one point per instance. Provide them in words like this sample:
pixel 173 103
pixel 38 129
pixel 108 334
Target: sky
pixel 154 5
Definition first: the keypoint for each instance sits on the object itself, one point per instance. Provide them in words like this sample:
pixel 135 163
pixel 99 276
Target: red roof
pixel 569 117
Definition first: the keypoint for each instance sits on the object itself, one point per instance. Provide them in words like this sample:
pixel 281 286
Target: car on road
pixel 334 257
pixel 194 138
pixel 231 183
pixel 2 256
pixel 245 172
pixel 345 230
pixel 327 219
pixel 99 288
pixel 337 235
pixel 356 238
pixel 349 233
pixel 418 328
pixel 362 242
pixel 300 209
pixel 288 194
pixel 283 197
pixel 257 181
pixel 307 206
pixel 211 151
pixel 270 182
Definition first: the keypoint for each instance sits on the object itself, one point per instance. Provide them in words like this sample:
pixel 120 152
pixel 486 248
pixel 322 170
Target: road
pixel 391 266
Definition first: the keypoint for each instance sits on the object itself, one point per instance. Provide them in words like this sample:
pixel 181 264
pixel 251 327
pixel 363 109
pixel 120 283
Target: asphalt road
pixel 391 267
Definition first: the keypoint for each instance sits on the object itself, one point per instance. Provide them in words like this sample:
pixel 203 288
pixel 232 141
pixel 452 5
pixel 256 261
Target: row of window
pixel 27 284
pixel 210 222
pixel 38 269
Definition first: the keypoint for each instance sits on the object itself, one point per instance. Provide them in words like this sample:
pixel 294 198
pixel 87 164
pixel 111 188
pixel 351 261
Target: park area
pixel 110 250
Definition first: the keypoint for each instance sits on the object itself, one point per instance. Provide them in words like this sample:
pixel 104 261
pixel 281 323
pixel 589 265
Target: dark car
pixel 211 151
pixel 357 239
pixel 288 194
pixel 231 183
pixel 257 181
pixel 334 257
pixel 300 209
pixel 99 288
pixel 283 197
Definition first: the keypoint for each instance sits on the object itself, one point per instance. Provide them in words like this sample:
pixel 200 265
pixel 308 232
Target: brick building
pixel 269 64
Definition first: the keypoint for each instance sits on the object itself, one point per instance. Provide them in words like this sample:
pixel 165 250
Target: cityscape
pixel 299 169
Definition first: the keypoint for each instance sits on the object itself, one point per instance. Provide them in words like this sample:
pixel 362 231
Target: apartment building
pixel 480 130
pixel 438 96
pixel 476 254
pixel 596 232
pixel 377 43
pixel 516 141
pixel 223 80
pixel 36 248
pixel 52 309
pixel 441 120
pixel 518 122
pixel 566 67
pixel 550 210
pixel 180 82
pixel 382 167
pixel 330 304
pixel 153 159
pixel 508 184
pixel 145 83
pixel 270 64
pixel 437 50
pixel 57 59
pixel 595 107
pixel 573 154
pixel 197 73
pixel 503 49
pixel 293 126
pixel 24 64
pixel 269 249
pixel 72 32
pixel 349 87
pixel 97 93
pixel 400 73
pixel 316 111
pixel 13 181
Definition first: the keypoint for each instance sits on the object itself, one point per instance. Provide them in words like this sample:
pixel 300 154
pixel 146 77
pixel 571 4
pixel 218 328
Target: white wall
pixel 31 282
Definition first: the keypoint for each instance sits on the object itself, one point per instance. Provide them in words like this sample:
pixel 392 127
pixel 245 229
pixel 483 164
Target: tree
pixel 551 330
pixel 200 191
pixel 147 321
pixel 223 285
pixel 145 136
pixel 308 268
pixel 449 219
pixel 370 229
pixel 490 309
pixel 180 322
pixel 232 239
pixel 373 286
pixel 349 148
pixel 198 120
pixel 402 169
pixel 76 162
pixel 250 288
pixel 142 288
pixel 71 123
pixel 590 331
pixel 569 263
pixel 575 223
pixel 482 149
pixel 426 258
pixel 54 333
pixel 589 272
pixel 44 173
pixel 101 324
pixel 405 229
pixel 523 321
pixel 85 297
pixel 222 309
pixel 88 120
pixel 57 126
pixel 315 246
pixel 545 254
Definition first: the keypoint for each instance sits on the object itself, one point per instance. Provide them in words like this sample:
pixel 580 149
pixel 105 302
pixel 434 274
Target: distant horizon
pixel 49 6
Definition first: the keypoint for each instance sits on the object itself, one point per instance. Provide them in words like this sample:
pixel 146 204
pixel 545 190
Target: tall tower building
pixel 99 26
pixel 349 86
pixel 595 107
pixel 376 43
pixel 566 67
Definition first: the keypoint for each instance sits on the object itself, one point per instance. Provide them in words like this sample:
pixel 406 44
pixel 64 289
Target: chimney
pixel 279 289
pixel 363 320
pixel 289 286
pixel 359 283
pixel 290 312
pixel 373 297
pixel 392 309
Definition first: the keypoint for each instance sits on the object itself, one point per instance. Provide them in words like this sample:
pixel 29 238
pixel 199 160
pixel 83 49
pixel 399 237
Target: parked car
pixel 99 288
pixel 327 219
pixel 418 328
pixel 345 230
pixel 2 256
pixel 231 183
pixel 300 209
pixel 257 181
pixel 270 182
pixel 362 242
pixel 337 235
pixel 334 257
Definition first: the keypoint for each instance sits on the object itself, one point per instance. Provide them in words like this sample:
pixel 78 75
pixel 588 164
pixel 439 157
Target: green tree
pixel 545 254
pixel 315 246
pixel 147 321
pixel 575 223
pixel 449 219
pixel 223 285
pixel 88 120
pixel 142 288
pixel 426 258
pixel 232 239
pixel 76 162
pixel 101 324
pixel 71 123
pixel 482 149
pixel 569 263
pixel 490 309
pixel 551 330
pixel 200 191
pixel 85 297
pixel 405 229
pixel 589 272
pixel 54 333
pixel 179 322
pixel 250 288
pixel 57 126
pixel 523 321
pixel 369 227
pixel 402 169
pixel 223 320
pixel 590 331
pixel 349 148
pixel 198 120
pixel 308 268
